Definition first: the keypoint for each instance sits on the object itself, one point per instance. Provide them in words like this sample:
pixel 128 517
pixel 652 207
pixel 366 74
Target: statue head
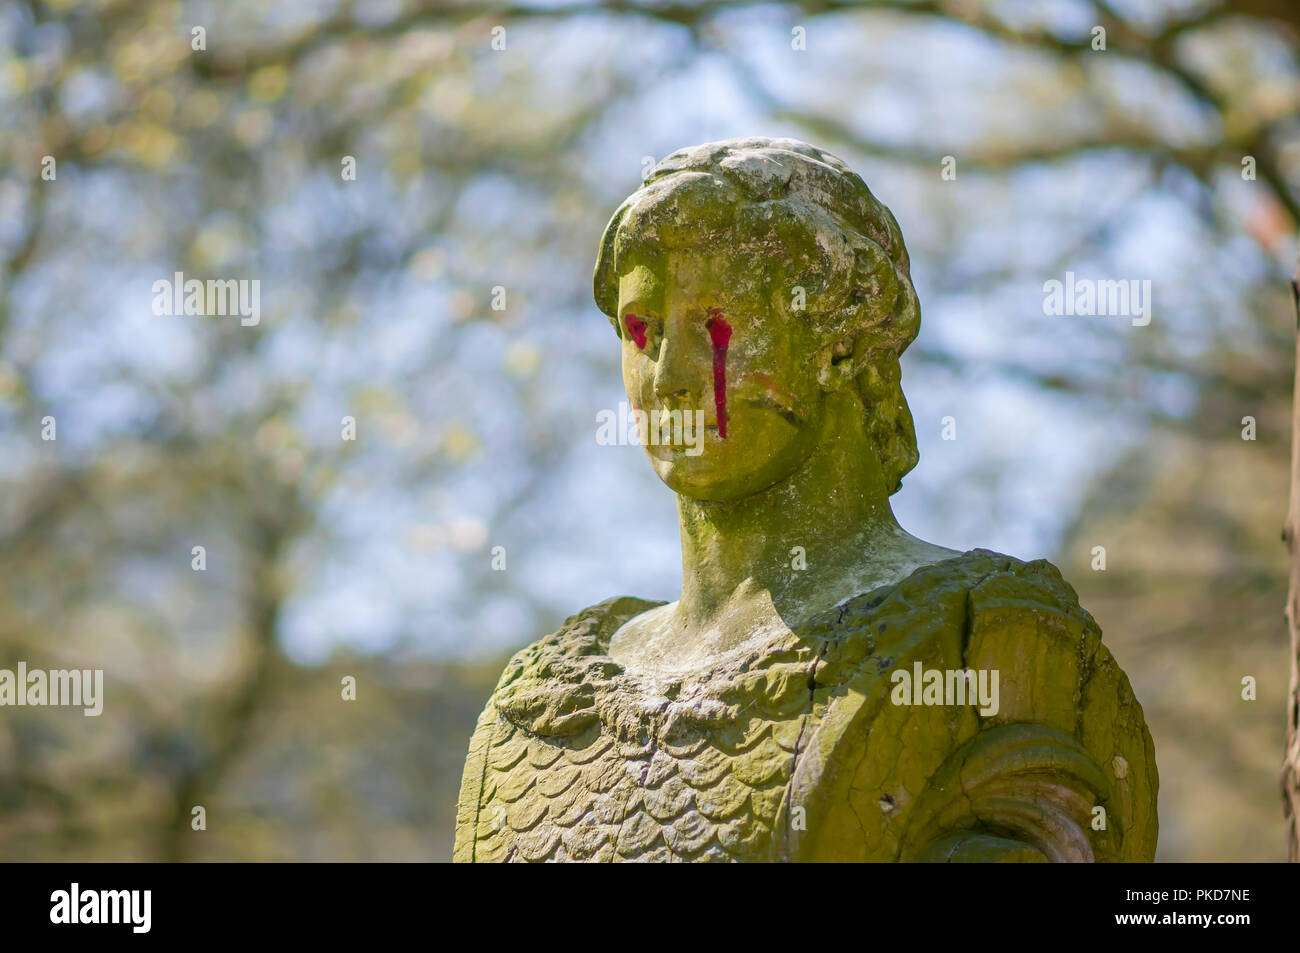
pixel 757 281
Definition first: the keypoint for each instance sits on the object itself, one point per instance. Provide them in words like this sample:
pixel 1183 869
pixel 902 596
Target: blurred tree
pixel 482 167
pixel 1291 534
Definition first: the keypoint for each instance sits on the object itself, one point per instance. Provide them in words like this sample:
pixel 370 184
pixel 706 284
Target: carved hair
pixel 814 219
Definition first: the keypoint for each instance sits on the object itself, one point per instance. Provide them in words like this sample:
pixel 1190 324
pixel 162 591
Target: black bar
pixel 331 903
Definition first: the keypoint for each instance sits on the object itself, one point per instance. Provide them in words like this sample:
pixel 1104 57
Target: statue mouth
pixel 669 431
pixel 709 424
pixel 782 409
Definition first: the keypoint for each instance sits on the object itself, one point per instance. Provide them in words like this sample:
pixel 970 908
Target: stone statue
pixel 828 687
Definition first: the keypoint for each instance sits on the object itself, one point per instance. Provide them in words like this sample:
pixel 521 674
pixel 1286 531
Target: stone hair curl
pixel 859 294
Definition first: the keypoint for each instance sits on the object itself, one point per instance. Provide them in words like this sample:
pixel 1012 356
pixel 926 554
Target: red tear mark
pixel 636 328
pixel 720 335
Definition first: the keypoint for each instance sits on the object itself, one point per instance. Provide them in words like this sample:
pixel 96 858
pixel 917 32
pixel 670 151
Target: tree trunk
pixel 1291 533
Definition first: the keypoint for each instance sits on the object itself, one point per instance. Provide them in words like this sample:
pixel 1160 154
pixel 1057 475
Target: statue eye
pixel 636 328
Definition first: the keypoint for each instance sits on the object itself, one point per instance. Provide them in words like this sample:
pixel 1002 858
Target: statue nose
pixel 676 374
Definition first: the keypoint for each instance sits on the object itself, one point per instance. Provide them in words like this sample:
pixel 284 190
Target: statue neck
pixel 835 508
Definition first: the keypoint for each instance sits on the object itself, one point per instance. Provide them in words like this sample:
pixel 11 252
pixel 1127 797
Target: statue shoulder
pixel 548 689
pixel 1036 585
pixel 1049 709
pixel 1056 672
pixel 549 686
pixel 581 635
pixel 936 609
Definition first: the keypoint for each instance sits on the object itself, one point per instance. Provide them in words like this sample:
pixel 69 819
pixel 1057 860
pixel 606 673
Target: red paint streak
pixel 636 328
pixel 720 335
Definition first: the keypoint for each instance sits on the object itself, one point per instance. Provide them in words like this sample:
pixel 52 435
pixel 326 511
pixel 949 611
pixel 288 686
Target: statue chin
pixel 766 451
pixel 714 477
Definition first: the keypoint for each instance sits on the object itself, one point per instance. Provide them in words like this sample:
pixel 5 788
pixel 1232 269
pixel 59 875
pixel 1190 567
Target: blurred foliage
pixel 479 168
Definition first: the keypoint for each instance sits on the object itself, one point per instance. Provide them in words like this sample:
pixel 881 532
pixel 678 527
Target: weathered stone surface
pixel 876 781
pixel 767 714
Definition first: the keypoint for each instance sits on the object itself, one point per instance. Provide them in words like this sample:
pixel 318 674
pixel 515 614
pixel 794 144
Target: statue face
pixel 700 333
